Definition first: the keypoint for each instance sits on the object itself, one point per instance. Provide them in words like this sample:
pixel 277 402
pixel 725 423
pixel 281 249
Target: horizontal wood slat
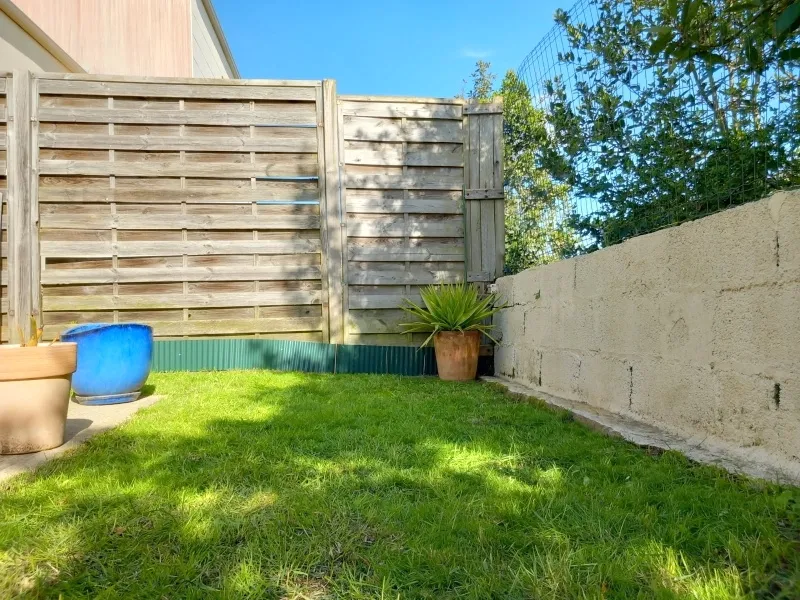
pixel 150 275
pixel 222 327
pixel 416 181
pixel 211 91
pixel 281 165
pixel 297 144
pixel 401 109
pixel 172 301
pixel 484 194
pixel 483 109
pixel 415 276
pixel 377 301
pixel 160 222
pixel 421 206
pixel 274 191
pixel 401 255
pixel 289 115
pixel 391 130
pixel 400 228
pixel 69 249
pixel 421 155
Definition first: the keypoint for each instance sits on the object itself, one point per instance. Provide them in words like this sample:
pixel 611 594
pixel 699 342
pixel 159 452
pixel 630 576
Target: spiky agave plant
pixel 451 307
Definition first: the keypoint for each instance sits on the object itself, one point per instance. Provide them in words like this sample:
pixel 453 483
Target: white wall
pixel 18 50
pixel 694 329
pixel 208 59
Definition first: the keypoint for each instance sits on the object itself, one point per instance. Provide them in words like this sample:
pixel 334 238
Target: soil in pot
pixel 34 396
pixel 457 354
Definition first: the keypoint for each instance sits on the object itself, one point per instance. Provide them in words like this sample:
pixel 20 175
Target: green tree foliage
pixel 536 206
pixel 654 142
pixel 750 27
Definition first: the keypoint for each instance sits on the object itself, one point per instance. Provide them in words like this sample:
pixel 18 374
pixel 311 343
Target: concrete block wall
pixel 695 329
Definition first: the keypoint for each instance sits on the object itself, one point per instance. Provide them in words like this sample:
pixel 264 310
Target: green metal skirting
pixel 310 357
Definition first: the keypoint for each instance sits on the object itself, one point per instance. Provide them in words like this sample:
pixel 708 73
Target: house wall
pixel 119 37
pixel 695 329
pixel 208 58
pixel 18 50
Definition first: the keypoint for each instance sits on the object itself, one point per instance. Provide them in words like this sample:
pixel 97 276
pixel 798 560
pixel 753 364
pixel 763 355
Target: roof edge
pixel 25 23
pixel 223 42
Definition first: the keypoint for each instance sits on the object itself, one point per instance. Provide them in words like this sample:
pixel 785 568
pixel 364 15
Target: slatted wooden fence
pixel 264 208
pixel 404 179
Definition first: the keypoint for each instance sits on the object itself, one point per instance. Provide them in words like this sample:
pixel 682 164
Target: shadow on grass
pixel 283 485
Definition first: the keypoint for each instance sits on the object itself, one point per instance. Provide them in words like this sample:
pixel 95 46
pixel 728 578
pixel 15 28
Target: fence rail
pixel 274 209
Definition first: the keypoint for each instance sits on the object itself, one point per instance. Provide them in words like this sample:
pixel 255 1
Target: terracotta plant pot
pixel 457 354
pixel 34 396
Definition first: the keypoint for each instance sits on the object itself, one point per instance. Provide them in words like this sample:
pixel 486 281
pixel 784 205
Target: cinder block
pixel 636 267
pixel 674 393
pixel 729 249
pixel 757 411
pixel 759 325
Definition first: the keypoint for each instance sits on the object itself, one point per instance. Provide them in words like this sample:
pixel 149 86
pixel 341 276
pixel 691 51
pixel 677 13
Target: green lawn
pixel 285 485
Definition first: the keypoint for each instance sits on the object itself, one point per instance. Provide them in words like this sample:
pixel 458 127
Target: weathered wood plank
pixel 391 130
pixel 305 191
pixel 411 110
pixel 399 227
pixel 391 154
pixel 400 206
pixel 175 301
pixel 152 275
pixel 298 143
pixel 220 327
pixel 359 254
pixel 483 108
pixel 70 249
pixel 371 321
pixel 241 326
pixel 22 213
pixel 484 194
pixel 414 276
pixel 184 80
pixel 279 165
pixel 159 222
pixel 442 179
pixel 376 301
pixel 402 99
pixel 213 91
pixel 290 114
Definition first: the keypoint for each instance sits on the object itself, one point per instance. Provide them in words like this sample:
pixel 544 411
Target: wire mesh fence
pixel 632 142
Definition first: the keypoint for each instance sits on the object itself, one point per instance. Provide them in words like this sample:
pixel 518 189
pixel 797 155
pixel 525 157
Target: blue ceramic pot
pixel 113 361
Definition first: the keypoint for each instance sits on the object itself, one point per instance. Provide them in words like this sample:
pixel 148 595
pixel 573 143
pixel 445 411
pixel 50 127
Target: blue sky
pixel 411 48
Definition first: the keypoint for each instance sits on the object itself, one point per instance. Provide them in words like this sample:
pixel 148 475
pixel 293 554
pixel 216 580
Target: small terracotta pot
pixel 457 354
pixel 34 396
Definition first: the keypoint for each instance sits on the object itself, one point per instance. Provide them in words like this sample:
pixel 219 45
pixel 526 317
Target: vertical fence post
pixel 483 190
pixel 332 212
pixel 24 293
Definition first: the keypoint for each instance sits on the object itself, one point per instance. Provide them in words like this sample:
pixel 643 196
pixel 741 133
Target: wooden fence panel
pixel 240 208
pixel 191 205
pixel 403 187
